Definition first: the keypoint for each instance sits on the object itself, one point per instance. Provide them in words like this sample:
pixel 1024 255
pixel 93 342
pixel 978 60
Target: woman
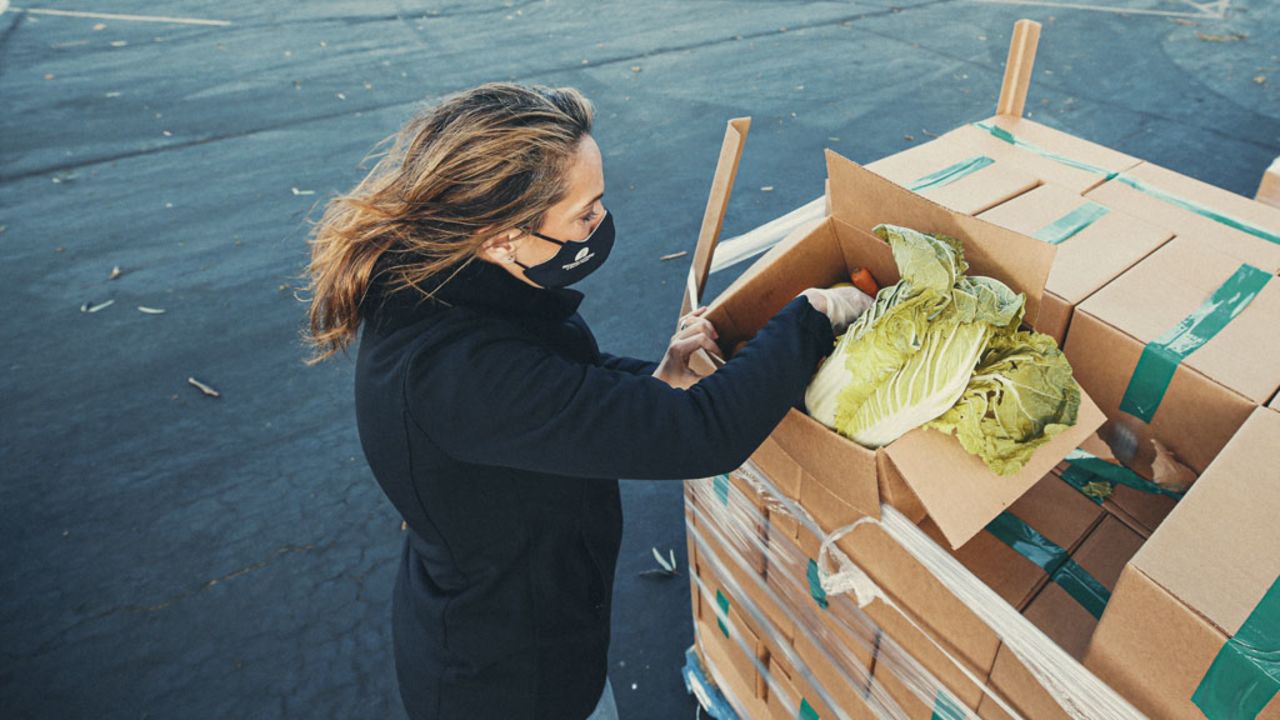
pixel 489 416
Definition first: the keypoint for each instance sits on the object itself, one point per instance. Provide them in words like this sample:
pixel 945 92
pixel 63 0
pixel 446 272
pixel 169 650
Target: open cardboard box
pixel 923 472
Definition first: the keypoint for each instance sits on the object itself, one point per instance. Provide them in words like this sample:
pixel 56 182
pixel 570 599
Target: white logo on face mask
pixel 583 255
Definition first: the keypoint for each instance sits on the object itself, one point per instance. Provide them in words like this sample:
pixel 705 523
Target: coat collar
pixel 477 284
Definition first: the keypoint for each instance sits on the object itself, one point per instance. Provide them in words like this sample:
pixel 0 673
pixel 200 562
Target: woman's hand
pixel 695 331
pixel 842 305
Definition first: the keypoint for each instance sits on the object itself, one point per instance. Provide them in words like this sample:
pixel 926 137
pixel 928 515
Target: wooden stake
pixel 1017 69
pixel 1269 186
pixel 735 136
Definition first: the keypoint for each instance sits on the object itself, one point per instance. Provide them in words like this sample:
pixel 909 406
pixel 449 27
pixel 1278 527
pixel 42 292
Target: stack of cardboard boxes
pixel 1159 290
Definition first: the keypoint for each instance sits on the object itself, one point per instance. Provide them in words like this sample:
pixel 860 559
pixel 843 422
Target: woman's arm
pixel 634 366
pixel 513 403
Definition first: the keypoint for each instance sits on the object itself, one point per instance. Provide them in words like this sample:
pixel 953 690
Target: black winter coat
pixel 498 430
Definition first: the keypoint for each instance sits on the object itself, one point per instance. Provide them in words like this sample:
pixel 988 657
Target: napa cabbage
pixel 909 359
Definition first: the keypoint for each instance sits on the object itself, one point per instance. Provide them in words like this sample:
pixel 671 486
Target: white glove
pixel 841 305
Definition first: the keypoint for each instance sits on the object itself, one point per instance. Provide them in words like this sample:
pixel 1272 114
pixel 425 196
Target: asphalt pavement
pixel 168 554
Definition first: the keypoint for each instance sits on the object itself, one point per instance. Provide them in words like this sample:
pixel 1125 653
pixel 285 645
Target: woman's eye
pixel 588 217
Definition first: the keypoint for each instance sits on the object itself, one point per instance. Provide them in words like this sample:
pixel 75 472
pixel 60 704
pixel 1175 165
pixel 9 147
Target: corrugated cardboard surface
pixel 1219 550
pixel 1153 650
pixel 1174 281
pixel 796 689
pixel 1212 234
pixel 1196 580
pixel 941 667
pixel 958 490
pixel 1054 509
pixel 972 193
pixel 1086 261
pixel 1069 146
pixel 721 661
pixel 1212 392
pixel 1103 555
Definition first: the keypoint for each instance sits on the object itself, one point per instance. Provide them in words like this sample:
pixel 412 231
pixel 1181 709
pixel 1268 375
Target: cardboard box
pixel 957 171
pixel 1057 157
pixel 1212 390
pixel 1095 245
pixel 1021 155
pixel 722 569
pixel 720 623
pixel 897 661
pixel 923 472
pixel 1208 572
pixel 730 505
pixel 1054 510
pixel 1246 246
pixel 721 661
pixel 790 694
pixel 1063 618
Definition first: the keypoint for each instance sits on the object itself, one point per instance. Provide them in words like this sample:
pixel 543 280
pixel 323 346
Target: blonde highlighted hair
pixel 491 158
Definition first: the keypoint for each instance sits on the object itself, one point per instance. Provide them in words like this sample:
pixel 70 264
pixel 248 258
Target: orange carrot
pixel 863 281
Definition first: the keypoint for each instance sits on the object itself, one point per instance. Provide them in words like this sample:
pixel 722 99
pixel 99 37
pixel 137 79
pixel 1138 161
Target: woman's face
pixel 572 219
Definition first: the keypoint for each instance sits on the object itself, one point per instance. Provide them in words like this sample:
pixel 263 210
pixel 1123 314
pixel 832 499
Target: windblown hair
pixel 494 157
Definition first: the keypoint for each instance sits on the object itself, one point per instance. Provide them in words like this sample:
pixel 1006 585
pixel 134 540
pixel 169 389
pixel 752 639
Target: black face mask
pixel 576 259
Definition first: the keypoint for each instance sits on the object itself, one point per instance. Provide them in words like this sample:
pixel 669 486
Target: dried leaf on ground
pixel 1226 38
pixel 204 388
pixel 674 255
pixel 296 191
pixel 151 310
pixel 115 273
pixel 89 307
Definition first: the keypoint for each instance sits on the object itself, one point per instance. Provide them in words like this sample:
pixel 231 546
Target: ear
pixel 499 248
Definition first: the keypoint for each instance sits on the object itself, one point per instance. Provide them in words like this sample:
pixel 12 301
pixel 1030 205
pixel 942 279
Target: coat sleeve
pixel 513 403
pixel 635 366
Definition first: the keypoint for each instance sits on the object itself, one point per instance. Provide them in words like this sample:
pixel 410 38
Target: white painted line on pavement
pixel 4 5
pixel 1218 12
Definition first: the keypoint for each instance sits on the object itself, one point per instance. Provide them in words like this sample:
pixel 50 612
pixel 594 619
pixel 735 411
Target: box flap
pixel 961 494
pixel 1175 282
pixel 1095 245
pixel 1021 262
pixel 841 465
pixel 1216 551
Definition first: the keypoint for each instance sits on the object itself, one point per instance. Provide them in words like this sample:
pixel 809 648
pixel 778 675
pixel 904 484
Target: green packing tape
pixel 723 602
pixel 1002 134
pixel 1097 478
pixel 1245 675
pixel 806 711
pixel 1160 358
pixel 1198 209
pixel 1066 227
pixel 1027 541
pixel 1053 559
pixel 944 708
pixel 948 175
pixel 1085 588
pixel 815 586
pixel 721 485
